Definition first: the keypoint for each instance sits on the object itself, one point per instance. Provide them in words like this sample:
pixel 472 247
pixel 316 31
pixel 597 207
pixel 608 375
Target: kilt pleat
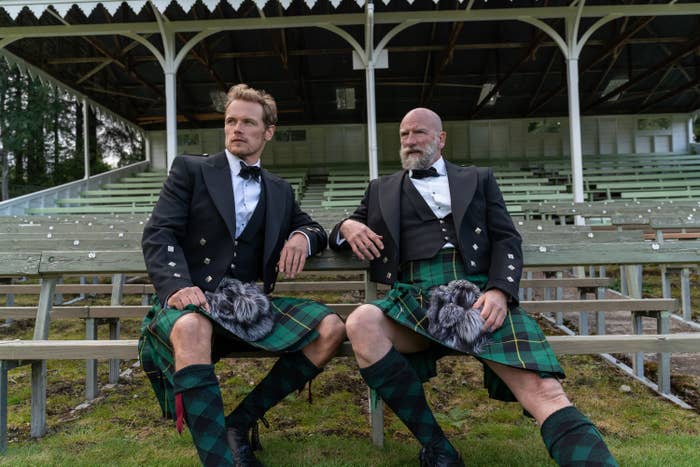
pixel 294 329
pixel 518 343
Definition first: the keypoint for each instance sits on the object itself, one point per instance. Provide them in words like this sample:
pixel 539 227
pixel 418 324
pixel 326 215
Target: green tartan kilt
pixel 294 329
pixel 518 343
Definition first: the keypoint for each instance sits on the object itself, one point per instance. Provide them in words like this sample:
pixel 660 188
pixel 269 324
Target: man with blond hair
pixel 220 219
pixel 427 230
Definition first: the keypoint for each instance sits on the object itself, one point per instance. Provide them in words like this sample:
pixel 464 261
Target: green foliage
pixel 41 134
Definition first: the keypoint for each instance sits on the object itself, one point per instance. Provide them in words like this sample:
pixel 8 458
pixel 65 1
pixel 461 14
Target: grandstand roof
pixel 644 57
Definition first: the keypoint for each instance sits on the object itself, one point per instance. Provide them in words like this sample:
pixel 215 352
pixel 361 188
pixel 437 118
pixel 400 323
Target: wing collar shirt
pixel 246 193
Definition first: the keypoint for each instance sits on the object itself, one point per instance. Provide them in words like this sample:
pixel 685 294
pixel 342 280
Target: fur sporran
pixel 453 320
pixel 242 309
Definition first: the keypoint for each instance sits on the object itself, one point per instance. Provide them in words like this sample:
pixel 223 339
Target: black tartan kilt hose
pixel 294 329
pixel 518 343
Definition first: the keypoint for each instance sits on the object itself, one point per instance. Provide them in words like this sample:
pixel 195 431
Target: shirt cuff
pixel 308 241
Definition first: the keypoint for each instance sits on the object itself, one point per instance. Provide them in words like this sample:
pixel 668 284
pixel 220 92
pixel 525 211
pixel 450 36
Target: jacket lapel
pixel 217 177
pixel 463 181
pixel 390 203
pixel 275 209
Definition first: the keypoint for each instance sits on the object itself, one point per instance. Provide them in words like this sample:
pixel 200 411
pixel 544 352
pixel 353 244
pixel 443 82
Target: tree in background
pixel 118 142
pixel 41 136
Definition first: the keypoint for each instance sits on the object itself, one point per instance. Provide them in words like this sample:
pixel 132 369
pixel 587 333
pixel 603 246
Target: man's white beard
pixel 424 161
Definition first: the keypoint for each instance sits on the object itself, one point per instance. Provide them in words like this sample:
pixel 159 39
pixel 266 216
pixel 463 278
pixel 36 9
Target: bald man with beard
pixel 422 228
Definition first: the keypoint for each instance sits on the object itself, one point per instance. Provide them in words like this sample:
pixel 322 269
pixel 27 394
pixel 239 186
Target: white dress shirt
pixel 436 192
pixel 246 193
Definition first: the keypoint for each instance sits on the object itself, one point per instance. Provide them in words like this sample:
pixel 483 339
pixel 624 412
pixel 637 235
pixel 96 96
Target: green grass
pixel 124 426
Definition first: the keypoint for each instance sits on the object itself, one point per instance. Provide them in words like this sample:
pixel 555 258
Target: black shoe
pixel 431 456
pixel 241 449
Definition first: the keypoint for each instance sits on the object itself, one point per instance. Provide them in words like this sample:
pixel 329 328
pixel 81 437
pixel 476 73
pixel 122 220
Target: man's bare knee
pixel 191 327
pixel 331 332
pixel 191 340
pixel 363 319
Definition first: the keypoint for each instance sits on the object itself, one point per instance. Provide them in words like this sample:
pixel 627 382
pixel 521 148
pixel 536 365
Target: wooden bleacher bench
pixel 662 194
pixel 91 210
pixel 51 265
pixel 110 200
pixel 118 193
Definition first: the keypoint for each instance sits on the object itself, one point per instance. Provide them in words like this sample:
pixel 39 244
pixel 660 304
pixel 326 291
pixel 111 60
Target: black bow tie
pixel 423 173
pixel 249 171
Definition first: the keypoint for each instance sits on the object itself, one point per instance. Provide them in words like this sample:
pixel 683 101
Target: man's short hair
pixel 244 92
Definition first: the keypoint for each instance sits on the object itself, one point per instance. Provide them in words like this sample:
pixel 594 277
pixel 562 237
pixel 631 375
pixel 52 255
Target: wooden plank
pixel 649 185
pixel 605 305
pixel 115 200
pixel 75 231
pixel 567 282
pixel 132 289
pixel 118 311
pixel 344 309
pixel 67 349
pixel 127 349
pixel 66 244
pixel 130 185
pixel 37 427
pixel 574 254
pixel 579 345
pixel 3 406
pixel 57 312
pixel 126 261
pixel 581 236
pixel 19 264
pixel 535 255
pixel 91 210
pixel 129 192
pixel 661 194
pixel 79 233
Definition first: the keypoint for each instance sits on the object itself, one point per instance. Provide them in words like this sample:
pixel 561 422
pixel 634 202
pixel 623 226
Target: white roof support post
pixel 365 58
pixel 170 65
pixel 571 48
pixel 571 57
pixel 147 147
pixel 371 94
pixel 690 132
pixel 170 116
pixel 86 138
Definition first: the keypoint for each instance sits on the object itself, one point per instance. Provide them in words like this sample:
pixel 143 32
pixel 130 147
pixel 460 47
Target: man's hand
pixel 188 296
pixel 364 242
pixel 293 255
pixel 494 306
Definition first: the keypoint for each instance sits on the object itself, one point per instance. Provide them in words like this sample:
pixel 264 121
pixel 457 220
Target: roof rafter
pixel 679 54
pixel 613 45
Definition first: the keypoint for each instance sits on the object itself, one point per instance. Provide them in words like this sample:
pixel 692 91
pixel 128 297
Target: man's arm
pixel 353 233
pixel 302 222
pixel 162 251
pixel 307 238
pixel 506 264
